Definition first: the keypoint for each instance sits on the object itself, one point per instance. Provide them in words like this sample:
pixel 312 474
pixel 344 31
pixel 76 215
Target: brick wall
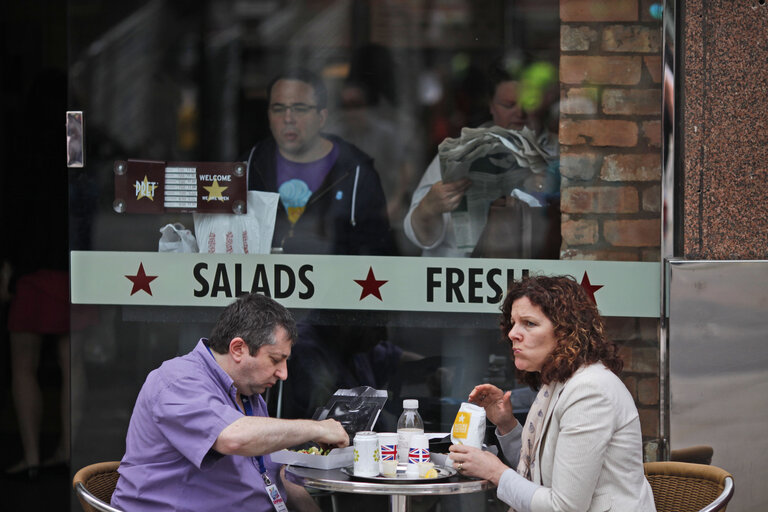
pixel 610 161
pixel 610 130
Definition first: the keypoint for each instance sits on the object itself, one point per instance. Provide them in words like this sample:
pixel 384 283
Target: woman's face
pixel 532 336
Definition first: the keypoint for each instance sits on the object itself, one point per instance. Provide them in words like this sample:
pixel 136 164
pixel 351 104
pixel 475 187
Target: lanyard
pixel 272 491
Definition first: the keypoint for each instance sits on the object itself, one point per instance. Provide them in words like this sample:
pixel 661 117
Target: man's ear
pixel 323 113
pixel 238 348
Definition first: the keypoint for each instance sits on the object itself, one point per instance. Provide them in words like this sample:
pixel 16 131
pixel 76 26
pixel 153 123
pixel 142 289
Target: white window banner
pixel 373 283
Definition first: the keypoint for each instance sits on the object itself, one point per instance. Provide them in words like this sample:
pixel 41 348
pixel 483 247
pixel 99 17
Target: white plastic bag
pixel 176 238
pixel 250 233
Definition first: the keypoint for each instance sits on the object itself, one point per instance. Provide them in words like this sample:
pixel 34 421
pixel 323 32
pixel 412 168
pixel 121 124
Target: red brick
pixel 598 132
pixel 652 199
pixel 579 232
pixel 655 67
pixel 579 100
pixel 641 102
pixel 580 166
pixel 576 39
pixel 599 200
pixel 633 233
pixel 598 10
pixel 610 70
pixel 642 167
pixel 649 331
pixel 625 353
pixel 631 383
pixel 598 255
pixel 648 391
pixel 651 255
pixel 645 360
pixel 651 131
pixel 649 422
pixel 631 38
pixel 620 329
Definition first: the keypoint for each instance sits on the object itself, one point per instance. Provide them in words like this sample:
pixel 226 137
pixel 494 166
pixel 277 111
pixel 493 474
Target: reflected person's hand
pixel 497 405
pixel 331 434
pixel 474 462
pixel 427 217
pixel 444 197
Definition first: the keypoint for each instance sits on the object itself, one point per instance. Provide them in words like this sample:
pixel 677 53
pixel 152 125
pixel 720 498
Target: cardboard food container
pixel 337 458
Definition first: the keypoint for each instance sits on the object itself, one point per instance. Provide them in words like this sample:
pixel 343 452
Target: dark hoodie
pixel 347 214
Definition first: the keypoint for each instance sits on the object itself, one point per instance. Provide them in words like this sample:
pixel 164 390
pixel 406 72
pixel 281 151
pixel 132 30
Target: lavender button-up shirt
pixel 169 462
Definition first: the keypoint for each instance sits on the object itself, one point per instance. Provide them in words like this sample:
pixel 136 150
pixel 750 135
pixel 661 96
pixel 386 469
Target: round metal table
pixel 336 480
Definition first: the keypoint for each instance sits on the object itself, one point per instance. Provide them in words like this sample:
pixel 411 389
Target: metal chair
pixel 94 485
pixel 688 487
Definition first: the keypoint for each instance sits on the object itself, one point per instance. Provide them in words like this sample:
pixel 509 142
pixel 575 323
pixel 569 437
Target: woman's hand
pixel 498 408
pixel 471 461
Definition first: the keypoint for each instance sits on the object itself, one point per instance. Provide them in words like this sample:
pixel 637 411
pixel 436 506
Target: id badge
pixel 274 494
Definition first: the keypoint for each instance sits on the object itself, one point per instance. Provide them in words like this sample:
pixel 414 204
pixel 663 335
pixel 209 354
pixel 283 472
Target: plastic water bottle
pixel 410 423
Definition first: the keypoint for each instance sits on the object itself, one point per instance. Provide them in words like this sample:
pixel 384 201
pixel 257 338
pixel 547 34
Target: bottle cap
pixel 410 404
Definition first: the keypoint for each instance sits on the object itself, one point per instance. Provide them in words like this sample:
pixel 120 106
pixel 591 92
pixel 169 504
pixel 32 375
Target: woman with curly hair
pixel 581 447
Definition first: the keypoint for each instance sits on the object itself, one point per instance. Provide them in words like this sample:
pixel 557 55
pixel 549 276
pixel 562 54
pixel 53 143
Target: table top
pixel 336 480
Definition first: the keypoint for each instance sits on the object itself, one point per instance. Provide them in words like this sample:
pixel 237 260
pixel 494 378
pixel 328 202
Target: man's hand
pixel 331 433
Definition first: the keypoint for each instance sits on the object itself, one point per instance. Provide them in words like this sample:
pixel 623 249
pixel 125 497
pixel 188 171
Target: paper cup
pixel 387 453
pixel 418 450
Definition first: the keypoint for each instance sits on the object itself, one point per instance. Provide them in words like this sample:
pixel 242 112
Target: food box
pixel 337 458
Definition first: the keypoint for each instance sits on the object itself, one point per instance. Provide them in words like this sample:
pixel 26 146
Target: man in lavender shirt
pixel 200 436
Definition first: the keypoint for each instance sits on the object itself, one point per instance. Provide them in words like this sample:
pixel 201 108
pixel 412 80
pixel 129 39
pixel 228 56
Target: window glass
pixel 457 141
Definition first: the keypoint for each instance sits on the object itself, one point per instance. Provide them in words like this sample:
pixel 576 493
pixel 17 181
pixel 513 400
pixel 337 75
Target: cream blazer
pixel 591 454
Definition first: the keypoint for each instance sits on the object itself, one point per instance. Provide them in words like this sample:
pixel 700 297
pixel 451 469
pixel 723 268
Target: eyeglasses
pixel 297 109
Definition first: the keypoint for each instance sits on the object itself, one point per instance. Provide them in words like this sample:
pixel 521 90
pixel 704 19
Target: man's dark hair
pixel 306 76
pixel 254 318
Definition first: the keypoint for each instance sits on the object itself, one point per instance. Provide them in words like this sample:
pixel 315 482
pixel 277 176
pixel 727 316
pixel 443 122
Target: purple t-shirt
pixel 169 463
pixel 296 181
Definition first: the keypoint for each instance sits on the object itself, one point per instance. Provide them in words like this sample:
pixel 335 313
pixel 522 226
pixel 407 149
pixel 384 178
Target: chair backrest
pixel 701 454
pixel 688 487
pixel 94 485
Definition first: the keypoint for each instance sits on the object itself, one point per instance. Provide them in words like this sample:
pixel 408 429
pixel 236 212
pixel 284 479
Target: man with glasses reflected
pixel 331 197
pixel 200 435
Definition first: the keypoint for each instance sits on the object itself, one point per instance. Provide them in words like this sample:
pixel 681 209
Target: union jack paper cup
pixel 419 449
pixel 388 453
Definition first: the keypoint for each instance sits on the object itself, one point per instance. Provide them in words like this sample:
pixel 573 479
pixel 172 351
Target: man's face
pixel 505 109
pixel 257 373
pixel 294 118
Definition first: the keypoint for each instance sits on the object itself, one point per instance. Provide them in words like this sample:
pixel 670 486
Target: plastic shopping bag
pixel 249 233
pixel 176 238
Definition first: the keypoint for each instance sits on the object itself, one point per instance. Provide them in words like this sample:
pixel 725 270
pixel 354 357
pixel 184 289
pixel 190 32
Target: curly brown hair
pixel 579 329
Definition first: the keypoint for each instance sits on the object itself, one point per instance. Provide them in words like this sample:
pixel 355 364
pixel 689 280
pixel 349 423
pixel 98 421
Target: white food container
pixel 337 458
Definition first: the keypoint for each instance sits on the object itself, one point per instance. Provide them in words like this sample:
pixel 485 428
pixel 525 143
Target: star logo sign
pixel 590 288
pixel 215 191
pixel 146 189
pixel 141 280
pixel 370 285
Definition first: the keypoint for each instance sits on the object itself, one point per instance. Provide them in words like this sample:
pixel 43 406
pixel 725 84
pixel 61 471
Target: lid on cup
pixel 410 403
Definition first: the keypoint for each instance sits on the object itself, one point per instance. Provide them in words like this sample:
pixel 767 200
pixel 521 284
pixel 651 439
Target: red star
pixel 590 288
pixel 370 285
pixel 141 280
